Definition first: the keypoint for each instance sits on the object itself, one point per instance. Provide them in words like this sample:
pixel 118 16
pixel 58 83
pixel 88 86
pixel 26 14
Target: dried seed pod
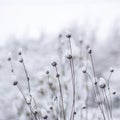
pixel 84 69
pixel 9 58
pixel 20 60
pixel 44 113
pixel 89 51
pixel 51 108
pixel 58 75
pixel 15 83
pixel 68 35
pixel 20 51
pixel 47 72
pixel 102 83
pixel 114 93
pixel 54 64
pixel 69 56
pixel 35 112
pixel 74 112
pixel 111 70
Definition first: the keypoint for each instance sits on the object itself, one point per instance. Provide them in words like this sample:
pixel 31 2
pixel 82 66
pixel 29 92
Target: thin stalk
pixel 36 108
pixel 96 86
pixel 73 74
pixel 97 98
pixel 32 113
pixel 87 101
pixel 27 76
pixel 105 104
pixel 72 111
pixel 61 94
pixel 110 93
pixel 108 103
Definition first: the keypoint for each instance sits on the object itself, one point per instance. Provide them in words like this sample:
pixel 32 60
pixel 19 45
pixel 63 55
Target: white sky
pixel 27 18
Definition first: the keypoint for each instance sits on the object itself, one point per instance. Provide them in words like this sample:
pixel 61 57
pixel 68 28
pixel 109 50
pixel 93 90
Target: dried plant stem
pixel 36 108
pixel 19 88
pixel 61 94
pixel 29 87
pixel 27 77
pixel 87 100
pixel 109 108
pixel 97 97
pixel 105 104
pixel 73 105
pixel 73 80
pixel 108 80
pixel 96 85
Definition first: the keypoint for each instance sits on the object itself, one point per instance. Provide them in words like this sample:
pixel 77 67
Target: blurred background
pixel 39 27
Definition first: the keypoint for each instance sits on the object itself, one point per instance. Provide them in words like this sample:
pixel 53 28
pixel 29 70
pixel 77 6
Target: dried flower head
pixel 20 60
pixel 51 108
pixel 114 93
pixel 54 64
pixel 111 70
pixel 35 112
pixel 89 51
pixel 15 83
pixel 9 57
pixel 84 69
pixel 44 113
pixel 68 35
pixel 47 72
pixel 102 83
pixel 58 75
pixel 69 57
pixel 74 112
pixel 20 51
pixel 84 107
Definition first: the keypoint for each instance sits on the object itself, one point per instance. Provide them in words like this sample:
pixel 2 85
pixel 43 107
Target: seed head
pixel 95 82
pixel 84 107
pixel 45 117
pixel 44 113
pixel 9 56
pixel 69 57
pixel 54 64
pixel 51 108
pixel 47 72
pixel 111 70
pixel 20 51
pixel 15 83
pixel 68 35
pixel 114 93
pixel 84 69
pixel 20 60
pixel 58 75
pixel 102 83
pixel 89 51
pixel 35 112
pixel 74 112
